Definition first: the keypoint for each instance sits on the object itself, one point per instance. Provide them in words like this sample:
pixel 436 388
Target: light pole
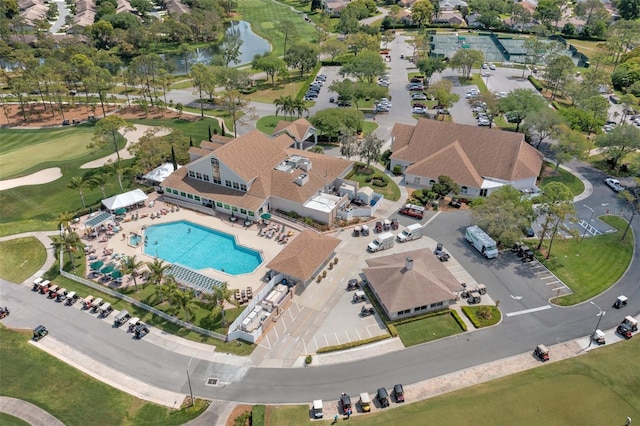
pixel 588 223
pixel 600 315
pixel 189 380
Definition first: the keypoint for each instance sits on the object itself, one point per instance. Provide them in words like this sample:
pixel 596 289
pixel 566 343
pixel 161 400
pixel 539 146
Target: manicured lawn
pixel 599 388
pixel 573 183
pixel 267 92
pixel 9 420
pixel 592 265
pixel 266 18
pixel 390 192
pixel 368 127
pixel 21 258
pixel 268 123
pixel 475 314
pixel 71 395
pixel 26 226
pixel 427 329
pixel 27 151
pixel 198 129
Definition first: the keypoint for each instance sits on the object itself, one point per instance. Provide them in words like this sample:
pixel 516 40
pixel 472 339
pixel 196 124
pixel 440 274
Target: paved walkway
pixel 28 412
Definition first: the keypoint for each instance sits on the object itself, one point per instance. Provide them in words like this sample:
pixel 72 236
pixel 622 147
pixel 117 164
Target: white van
pixel 382 242
pixel 411 232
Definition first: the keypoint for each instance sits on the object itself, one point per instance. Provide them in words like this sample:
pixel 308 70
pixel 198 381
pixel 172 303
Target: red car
pixel 412 211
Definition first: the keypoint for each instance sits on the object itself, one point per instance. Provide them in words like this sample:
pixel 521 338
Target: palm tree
pixel 221 294
pixel 99 180
pixel 78 183
pixel 283 104
pixel 115 168
pixel 166 292
pixel 157 271
pixel 130 267
pixel 64 219
pixel 298 106
pixel 70 242
pixel 185 299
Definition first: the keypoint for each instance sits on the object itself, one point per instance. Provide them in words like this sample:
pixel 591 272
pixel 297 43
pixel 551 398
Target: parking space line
pixel 291 315
pixel 560 288
pixel 553 282
pixel 304 345
pixel 547 278
pixel 276 331
pixel 336 334
pixel 315 342
pixel 348 337
pixel 325 339
pixel 359 338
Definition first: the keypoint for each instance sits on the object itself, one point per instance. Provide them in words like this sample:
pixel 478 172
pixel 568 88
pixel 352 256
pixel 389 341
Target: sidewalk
pixel 28 412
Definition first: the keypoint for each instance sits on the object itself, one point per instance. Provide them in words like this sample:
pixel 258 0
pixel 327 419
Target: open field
pixel 592 265
pixel 599 388
pixel 21 258
pixel 267 19
pixel 26 151
pixel 71 395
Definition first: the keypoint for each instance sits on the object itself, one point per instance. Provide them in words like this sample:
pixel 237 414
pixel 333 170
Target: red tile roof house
pixel 255 173
pixel 479 160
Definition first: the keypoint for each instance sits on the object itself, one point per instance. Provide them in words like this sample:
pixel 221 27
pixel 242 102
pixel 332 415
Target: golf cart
pixel 356 231
pixel 317 408
pixel 364 231
pixel 621 302
pixel 598 337
pixel 133 323
pixel 61 295
pixel 39 332
pixel 542 353
pixel 473 299
pixel 624 330
pixel 345 403
pixel 52 291
pixel 105 310
pixel 367 310
pixel 353 284
pixel 528 255
pixel 359 296
pixel 71 298
pixel 121 318
pixel 140 331
pixel 631 322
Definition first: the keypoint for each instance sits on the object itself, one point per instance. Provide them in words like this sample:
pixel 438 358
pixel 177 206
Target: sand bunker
pixel 38 178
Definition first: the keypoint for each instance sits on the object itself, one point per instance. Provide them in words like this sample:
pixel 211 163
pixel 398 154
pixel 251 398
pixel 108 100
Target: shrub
pixel 258 415
pixel 397 169
pixel 308 359
pixel 324 274
pixel 459 320
pixel 353 344
pixel 319 278
pixel 535 83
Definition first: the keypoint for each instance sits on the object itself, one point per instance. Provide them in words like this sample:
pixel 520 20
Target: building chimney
pixel 408 264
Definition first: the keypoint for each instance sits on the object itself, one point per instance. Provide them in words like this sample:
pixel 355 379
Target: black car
pixel 383 397
pixel 344 104
pixel 398 392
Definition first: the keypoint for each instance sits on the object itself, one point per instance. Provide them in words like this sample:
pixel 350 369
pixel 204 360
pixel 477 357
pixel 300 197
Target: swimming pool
pixel 135 240
pixel 198 247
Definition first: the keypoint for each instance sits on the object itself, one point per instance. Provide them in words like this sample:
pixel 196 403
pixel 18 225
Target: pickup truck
pixel 412 210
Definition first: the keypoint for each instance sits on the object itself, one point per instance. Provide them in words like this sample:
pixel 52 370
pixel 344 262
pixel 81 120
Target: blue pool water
pixel 198 247
pixel 135 240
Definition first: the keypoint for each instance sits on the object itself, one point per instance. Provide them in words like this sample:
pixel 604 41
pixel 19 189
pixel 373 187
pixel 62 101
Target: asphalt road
pixel 516 334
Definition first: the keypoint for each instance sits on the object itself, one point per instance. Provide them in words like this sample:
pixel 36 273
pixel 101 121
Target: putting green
pixel 34 150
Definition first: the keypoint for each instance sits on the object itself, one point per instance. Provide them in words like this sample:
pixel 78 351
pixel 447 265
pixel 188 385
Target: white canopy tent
pixel 125 200
pixel 159 174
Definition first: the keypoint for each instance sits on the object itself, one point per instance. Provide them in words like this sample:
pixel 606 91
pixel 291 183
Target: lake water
pixel 252 44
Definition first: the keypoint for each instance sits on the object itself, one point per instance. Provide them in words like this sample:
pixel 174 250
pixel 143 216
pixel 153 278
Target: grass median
pixel 72 396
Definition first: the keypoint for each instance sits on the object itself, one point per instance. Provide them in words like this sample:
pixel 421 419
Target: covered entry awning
pixel 125 200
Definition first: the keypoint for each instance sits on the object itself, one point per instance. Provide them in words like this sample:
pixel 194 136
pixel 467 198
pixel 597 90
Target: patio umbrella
pixel 120 211
pixel 116 274
pixel 265 216
pixel 96 265
pixel 107 269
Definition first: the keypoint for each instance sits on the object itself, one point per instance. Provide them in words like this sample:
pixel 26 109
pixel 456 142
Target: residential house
pixel 334 7
pixel 176 8
pixel 480 160
pixel 255 173
pixel 450 18
pixel 406 3
pixel 411 283
pixel 449 5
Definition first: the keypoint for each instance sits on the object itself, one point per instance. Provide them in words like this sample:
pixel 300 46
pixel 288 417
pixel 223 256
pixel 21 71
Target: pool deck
pixel 248 237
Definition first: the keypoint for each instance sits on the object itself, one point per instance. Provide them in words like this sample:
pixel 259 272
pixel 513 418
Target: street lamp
pixel 600 315
pixel 588 223
pixel 189 380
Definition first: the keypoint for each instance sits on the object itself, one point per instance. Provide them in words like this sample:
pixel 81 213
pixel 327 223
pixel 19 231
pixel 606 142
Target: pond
pixel 252 44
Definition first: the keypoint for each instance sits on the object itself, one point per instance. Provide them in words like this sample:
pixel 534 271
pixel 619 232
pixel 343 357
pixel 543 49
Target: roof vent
pixel 305 165
pixel 408 264
pixel 302 179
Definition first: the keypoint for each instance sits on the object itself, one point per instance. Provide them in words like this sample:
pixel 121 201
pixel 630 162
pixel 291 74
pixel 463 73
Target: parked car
pixel 419 97
pixel 418 110
pixel 484 122
pixel 332 99
pixel 443 111
pixel 344 104
pixel 492 67
pixel 398 392
pixel 502 94
pixel 322 77
pixel 477 109
pixel 485 66
pixel 418 104
pixel 614 184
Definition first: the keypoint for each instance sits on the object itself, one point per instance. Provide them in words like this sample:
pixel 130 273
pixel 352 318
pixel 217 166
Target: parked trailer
pixel 481 241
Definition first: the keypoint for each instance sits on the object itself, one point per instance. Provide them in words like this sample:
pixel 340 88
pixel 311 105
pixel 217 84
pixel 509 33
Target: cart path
pixel 28 412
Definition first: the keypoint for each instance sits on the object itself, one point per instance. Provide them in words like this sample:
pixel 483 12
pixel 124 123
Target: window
pixel 215 170
pixel 169 190
pixel 183 194
pixel 252 214
pixel 217 181
pixel 218 204
pixel 227 183
pixel 198 175
pixel 234 209
pixel 464 190
pixel 175 191
pixel 416 180
pixel 432 182
pixel 236 185
pixel 243 211
pixel 205 177
pixel 227 207
pixel 433 305
pixel 190 196
pixel 243 187
pixel 192 174
pixel 484 192
pixel 195 197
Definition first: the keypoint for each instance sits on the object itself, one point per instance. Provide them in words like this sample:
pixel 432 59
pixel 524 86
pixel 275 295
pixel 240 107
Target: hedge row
pixel 535 83
pixel 350 345
pixel 258 415
pixel 305 86
pixel 459 320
